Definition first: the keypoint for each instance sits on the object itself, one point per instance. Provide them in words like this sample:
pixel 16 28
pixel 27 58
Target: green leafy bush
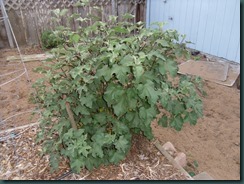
pixel 104 84
pixel 50 40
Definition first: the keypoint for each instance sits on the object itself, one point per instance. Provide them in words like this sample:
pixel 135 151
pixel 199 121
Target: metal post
pixel 5 17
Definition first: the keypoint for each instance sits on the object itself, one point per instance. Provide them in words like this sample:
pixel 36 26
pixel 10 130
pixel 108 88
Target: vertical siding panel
pixel 185 7
pixel 148 21
pixel 157 11
pixel 226 28
pixel 195 22
pixel 238 53
pixel 192 17
pixel 234 37
pixel 171 14
pixel 213 25
pixel 202 24
pixel 188 20
pixel 176 14
pixel 218 27
pixel 209 26
pixel 182 16
pixel 167 14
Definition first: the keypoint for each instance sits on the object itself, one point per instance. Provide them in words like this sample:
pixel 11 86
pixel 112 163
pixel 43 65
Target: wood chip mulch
pixel 20 159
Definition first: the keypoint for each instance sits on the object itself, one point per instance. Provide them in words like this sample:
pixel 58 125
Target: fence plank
pixel 6 24
pixel 30 18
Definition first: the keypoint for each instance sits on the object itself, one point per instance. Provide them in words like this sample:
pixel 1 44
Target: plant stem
pixel 70 114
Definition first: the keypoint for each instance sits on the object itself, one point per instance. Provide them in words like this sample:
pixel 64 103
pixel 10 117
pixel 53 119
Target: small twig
pixel 20 127
pixel 84 176
pixel 167 178
pixel 155 164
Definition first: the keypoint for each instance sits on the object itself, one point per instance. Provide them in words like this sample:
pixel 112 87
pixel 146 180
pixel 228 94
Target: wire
pixel 17 45
pixel 12 79
pixel 10 73
pixel 64 175
pixel 19 114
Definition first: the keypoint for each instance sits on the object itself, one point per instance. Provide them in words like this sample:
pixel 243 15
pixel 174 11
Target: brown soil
pixel 214 143
pixel 15 96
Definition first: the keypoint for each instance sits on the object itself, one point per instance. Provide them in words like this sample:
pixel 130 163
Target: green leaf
pixel 117 157
pixel 147 114
pixel 113 93
pixel 112 18
pixel 101 118
pixel 191 117
pixel 77 164
pixel 168 66
pixel 97 150
pixel 157 54
pixel 121 107
pixel 138 71
pixel 84 149
pixel 75 38
pixel 105 71
pixel 148 91
pixel 90 163
pixel 109 139
pixel 102 138
pixel 77 71
pixel 68 135
pixel 82 19
pixel 81 110
pixel 120 29
pixel 54 161
pixel 128 60
pixel 163 121
pixel 147 131
pixel 195 104
pixel 192 174
pixel 87 100
pixel 120 72
pixel 133 118
pixel 63 12
pixel 128 16
pixel 163 43
pixel 195 163
pixel 177 123
pixel 165 99
pixel 131 98
pixel 122 144
pixel 129 116
pixel 120 128
pixel 178 107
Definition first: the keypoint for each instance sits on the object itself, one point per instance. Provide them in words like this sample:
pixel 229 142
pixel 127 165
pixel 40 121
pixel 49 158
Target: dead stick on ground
pixel 17 128
pixel 70 114
pixel 171 159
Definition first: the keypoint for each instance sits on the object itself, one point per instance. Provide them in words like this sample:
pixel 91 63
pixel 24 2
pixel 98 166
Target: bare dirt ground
pixel 214 143
pixel 14 96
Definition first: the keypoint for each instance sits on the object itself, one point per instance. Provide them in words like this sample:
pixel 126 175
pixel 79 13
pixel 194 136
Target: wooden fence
pixel 29 18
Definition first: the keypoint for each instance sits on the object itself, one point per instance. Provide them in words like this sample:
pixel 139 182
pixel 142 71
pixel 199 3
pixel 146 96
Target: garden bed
pixel 214 143
pixel 144 162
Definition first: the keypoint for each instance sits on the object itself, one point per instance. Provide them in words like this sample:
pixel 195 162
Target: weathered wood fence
pixel 29 18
